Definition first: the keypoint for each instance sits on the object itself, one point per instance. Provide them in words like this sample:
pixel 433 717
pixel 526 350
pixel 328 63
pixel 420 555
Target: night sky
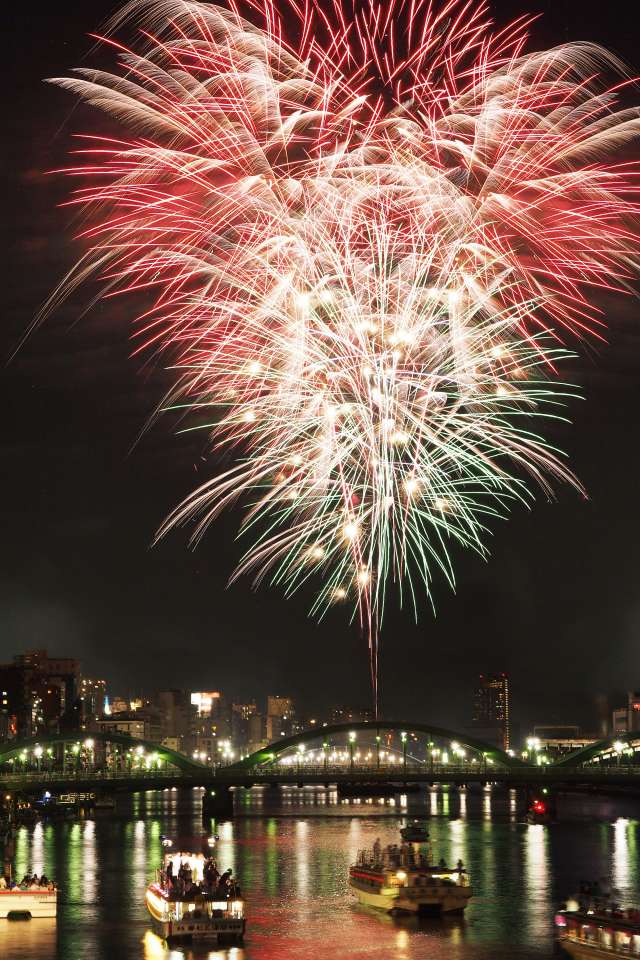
pixel 557 605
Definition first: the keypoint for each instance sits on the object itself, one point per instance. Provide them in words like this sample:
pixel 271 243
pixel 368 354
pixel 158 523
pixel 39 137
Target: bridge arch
pixel 620 746
pixel 271 753
pixel 14 748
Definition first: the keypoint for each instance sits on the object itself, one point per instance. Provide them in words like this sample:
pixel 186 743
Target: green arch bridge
pixel 374 753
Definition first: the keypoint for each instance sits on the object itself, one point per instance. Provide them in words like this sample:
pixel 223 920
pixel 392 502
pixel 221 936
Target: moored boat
pixel 606 932
pixel 402 879
pixel 197 908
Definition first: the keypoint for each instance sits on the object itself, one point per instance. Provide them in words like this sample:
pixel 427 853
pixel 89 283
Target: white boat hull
pixel 221 931
pixel 380 900
pixel 581 951
pixel 186 920
pixel 436 903
pixel 28 903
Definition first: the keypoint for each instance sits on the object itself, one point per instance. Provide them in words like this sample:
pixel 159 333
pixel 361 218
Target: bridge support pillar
pixel 217 802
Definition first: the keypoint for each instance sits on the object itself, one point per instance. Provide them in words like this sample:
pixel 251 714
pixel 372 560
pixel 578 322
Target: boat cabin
pixel 611 931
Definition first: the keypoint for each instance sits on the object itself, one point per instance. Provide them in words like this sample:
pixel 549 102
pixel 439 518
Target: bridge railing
pixel 319 773
pixel 398 771
pixel 388 770
pixel 53 777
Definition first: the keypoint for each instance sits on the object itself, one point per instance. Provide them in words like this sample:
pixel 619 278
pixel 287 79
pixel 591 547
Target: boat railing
pixel 198 893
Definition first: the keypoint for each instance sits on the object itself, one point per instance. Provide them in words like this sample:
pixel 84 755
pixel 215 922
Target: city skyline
pixel 42 693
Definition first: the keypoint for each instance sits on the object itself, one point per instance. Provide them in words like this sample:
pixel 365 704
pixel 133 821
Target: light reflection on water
pixel 291 854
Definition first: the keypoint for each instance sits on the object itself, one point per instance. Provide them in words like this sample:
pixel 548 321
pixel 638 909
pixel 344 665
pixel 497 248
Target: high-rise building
pixel 178 717
pixel 39 693
pixel 240 714
pixel 256 738
pixel 212 716
pixel 627 719
pixel 491 709
pixel 93 695
pixel 280 715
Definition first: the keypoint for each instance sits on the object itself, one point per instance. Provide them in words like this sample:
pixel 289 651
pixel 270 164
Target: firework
pixel 368 235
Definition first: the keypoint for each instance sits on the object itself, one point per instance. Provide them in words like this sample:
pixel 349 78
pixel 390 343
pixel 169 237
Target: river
pixel 292 854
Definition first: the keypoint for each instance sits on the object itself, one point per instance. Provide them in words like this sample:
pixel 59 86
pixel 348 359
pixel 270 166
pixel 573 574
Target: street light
pixel 618 747
pixel 533 743
pixel 378 739
pixel 403 737
pixel 352 740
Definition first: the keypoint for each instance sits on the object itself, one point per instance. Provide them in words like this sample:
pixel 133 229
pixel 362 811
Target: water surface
pixel 292 851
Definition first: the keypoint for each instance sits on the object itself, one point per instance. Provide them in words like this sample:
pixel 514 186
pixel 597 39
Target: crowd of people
pixel 186 885
pixel 405 855
pixel 28 882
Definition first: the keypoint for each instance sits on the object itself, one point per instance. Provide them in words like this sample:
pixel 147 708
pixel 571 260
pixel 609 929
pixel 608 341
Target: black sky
pixel 557 606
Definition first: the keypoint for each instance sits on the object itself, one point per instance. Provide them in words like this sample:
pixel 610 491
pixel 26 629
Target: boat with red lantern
pixel 539 812
pixel 603 932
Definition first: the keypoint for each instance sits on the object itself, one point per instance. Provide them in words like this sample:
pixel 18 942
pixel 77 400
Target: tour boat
pixel 414 832
pixel 198 914
pixel 18 904
pixel 402 879
pixel 599 933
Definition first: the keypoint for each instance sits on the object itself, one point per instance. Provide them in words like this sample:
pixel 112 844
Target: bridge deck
pixel 134 781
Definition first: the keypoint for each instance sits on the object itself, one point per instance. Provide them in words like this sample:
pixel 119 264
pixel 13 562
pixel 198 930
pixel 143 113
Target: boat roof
pixel 173 852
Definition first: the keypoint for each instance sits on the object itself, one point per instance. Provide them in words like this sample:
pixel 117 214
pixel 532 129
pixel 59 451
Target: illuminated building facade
pixel 39 694
pixel 626 719
pixel 491 710
pixel 93 695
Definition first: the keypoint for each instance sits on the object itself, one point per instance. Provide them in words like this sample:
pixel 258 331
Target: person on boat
pixel 442 864
pixel 460 866
pixel 224 883
pixel 169 874
pixel 44 880
pixel 211 874
pixel 3 882
pixel 377 850
pixel 25 882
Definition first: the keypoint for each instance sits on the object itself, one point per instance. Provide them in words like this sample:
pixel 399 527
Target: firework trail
pixel 368 234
